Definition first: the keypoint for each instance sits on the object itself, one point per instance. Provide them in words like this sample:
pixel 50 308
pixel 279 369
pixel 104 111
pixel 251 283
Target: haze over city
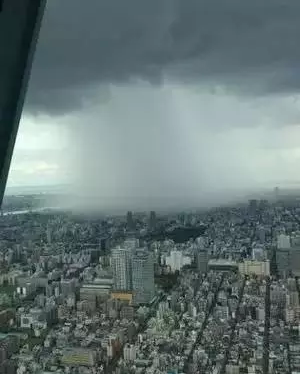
pixel 143 103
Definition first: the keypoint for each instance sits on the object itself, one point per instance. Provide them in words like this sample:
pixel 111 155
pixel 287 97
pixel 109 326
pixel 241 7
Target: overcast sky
pixel 152 99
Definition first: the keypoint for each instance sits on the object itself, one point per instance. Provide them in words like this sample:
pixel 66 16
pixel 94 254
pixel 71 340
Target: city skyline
pixel 120 294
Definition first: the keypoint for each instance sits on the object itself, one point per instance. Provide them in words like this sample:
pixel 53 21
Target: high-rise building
pixel 152 220
pixel 129 220
pixel 295 240
pixel 122 269
pixel 283 241
pixel 104 244
pixel 143 277
pixel 261 234
pixel 129 352
pixel 176 260
pixel 259 253
pixel 263 203
pixel 202 260
pixel 49 234
pixel 201 242
pixel 288 261
pixel 67 286
pixel 283 262
pixel 222 311
pixel 252 206
pixel 292 299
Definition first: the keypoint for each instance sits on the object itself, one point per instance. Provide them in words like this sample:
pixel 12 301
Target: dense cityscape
pixel 213 291
pixel 149 187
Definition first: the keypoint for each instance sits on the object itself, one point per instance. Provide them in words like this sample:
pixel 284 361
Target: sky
pixel 151 101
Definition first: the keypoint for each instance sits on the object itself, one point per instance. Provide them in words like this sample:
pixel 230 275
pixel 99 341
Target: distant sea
pixel 14 212
pixel 33 190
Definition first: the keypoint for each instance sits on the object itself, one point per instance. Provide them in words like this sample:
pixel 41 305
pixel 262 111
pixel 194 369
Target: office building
pixel 278 296
pixel 283 241
pixel 49 234
pixel 201 242
pixel 259 253
pixel 283 262
pixel 67 286
pixel 127 312
pixel 222 311
pixel 261 233
pixel 252 206
pixel 129 352
pixel 143 277
pixel 104 244
pixel 176 260
pixel 288 261
pixel 95 292
pixel 152 220
pixel 122 268
pixel 263 204
pixel 292 299
pixel 295 261
pixel 129 221
pixel 202 260
pixel 295 240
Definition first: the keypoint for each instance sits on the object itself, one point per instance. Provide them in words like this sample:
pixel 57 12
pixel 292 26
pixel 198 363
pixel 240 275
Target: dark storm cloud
pixel 247 45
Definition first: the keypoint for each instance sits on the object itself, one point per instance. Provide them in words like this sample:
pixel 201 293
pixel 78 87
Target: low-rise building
pixel 260 268
pixel 78 357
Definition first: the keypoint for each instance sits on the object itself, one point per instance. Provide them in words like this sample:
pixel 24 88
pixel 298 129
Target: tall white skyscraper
pixel 122 269
pixel 143 277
